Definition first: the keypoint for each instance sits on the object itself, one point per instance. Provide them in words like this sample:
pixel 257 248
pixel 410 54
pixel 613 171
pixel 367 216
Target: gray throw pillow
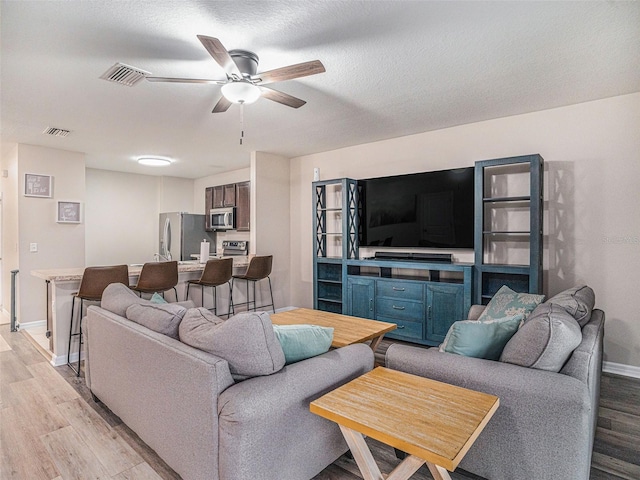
pixel 545 341
pixel 117 297
pixel 163 318
pixel 246 341
pixel 578 301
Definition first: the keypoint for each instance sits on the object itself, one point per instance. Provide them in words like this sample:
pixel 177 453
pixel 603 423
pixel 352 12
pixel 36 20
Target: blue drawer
pixel 399 309
pixel 412 330
pixel 399 289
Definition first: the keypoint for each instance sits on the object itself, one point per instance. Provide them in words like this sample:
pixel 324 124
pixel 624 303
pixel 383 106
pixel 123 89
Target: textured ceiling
pixel 394 68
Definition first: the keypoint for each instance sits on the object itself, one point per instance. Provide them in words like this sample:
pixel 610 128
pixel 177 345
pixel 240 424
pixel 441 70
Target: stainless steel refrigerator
pixel 181 234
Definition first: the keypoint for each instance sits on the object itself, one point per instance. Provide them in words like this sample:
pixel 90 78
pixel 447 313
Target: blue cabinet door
pixel 445 305
pixel 360 297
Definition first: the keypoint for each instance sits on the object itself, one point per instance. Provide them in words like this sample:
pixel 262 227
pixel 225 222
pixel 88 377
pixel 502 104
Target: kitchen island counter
pixel 63 283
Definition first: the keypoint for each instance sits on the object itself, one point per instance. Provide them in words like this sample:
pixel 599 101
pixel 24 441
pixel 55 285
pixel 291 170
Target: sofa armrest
pixel 541 415
pixel 163 390
pixel 266 427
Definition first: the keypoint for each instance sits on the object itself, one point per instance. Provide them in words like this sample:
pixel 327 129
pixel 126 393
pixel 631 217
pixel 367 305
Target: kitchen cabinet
pixel 230 195
pixel 208 205
pixel 243 207
pixel 218 196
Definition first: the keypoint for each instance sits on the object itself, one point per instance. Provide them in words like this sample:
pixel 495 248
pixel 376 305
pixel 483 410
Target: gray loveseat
pixel 184 403
pixel 545 425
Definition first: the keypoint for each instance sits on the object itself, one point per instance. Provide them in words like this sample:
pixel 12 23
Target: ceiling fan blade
pixel 287 73
pixel 185 80
pixel 283 98
pixel 220 55
pixel 222 105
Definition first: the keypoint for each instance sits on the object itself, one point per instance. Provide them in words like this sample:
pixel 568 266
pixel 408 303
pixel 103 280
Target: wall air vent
pixel 56 132
pixel 124 74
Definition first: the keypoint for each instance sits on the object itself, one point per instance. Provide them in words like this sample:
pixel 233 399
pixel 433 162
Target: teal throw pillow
pixel 303 341
pixel 506 303
pixel 472 338
pixel 157 298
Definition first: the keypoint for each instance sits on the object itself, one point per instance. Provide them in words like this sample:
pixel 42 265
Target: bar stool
pixel 94 281
pixel 216 272
pixel 259 269
pixel 157 277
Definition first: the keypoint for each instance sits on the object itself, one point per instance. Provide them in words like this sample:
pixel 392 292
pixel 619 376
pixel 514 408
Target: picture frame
pixel 36 185
pixel 69 212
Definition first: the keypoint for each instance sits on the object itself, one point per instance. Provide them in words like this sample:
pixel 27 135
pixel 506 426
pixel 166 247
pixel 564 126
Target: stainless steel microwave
pixel 223 218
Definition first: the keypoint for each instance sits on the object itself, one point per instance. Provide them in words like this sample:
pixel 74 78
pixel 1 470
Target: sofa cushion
pixel 506 303
pixel 578 301
pixel 246 341
pixel 481 339
pixel 117 297
pixel 163 318
pixel 303 341
pixel 545 341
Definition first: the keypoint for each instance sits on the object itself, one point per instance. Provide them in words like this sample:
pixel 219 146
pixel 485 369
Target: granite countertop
pixel 75 274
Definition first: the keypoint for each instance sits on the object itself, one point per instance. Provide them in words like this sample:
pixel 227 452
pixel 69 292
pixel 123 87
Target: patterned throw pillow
pixel 507 303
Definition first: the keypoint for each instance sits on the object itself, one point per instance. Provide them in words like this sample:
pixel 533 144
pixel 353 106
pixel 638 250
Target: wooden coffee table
pixel 434 422
pixel 347 330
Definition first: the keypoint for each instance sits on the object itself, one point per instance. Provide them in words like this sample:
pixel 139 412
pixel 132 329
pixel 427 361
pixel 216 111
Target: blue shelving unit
pixel 495 239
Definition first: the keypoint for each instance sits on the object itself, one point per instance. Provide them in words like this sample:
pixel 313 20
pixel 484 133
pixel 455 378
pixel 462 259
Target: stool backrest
pixel 158 276
pixel 259 267
pixel 96 279
pixel 217 271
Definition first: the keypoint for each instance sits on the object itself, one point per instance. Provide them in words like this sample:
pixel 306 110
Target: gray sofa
pixel 184 403
pixel 545 425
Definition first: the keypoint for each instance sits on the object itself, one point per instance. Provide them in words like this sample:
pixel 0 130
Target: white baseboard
pixel 38 323
pixel 621 369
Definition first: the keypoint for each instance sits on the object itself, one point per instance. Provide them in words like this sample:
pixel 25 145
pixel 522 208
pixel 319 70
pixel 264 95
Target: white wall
pixel 592 192
pixel 59 245
pixel 9 189
pixel 123 213
pixel 270 219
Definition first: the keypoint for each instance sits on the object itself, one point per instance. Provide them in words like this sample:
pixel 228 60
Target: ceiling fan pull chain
pixel 241 122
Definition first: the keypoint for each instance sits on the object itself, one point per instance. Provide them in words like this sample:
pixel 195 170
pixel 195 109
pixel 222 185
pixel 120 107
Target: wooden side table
pixel 434 422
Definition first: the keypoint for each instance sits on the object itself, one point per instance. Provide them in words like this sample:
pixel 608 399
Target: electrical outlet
pixel 33 247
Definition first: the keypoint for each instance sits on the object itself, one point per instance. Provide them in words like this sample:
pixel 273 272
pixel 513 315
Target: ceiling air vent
pixel 124 74
pixel 56 132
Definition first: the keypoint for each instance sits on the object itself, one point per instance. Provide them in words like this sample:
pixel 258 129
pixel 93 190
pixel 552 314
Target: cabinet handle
pixel 397 308
pixel 371 304
pixel 398 289
pixel 400 327
pixel 429 312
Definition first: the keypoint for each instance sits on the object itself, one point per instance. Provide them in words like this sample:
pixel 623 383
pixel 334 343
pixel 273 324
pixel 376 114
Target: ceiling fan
pixel 243 85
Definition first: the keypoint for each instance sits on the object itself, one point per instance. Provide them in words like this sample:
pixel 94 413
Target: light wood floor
pixel 50 429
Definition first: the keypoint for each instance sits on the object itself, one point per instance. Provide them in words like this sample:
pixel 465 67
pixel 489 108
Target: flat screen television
pixel 430 210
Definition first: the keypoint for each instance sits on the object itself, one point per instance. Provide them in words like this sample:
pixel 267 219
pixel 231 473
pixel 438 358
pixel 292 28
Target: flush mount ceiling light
pixel 241 92
pixel 151 161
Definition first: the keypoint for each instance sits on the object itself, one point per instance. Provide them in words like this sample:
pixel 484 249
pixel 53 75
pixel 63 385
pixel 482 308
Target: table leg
pixel 361 454
pixel 437 472
pixel 370 470
pixel 375 342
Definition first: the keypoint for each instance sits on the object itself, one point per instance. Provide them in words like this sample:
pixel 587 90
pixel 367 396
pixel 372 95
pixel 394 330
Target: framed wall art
pixel 38 185
pixel 69 212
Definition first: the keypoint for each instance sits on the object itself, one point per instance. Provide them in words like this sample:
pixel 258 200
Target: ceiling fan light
pixel 154 161
pixel 240 92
